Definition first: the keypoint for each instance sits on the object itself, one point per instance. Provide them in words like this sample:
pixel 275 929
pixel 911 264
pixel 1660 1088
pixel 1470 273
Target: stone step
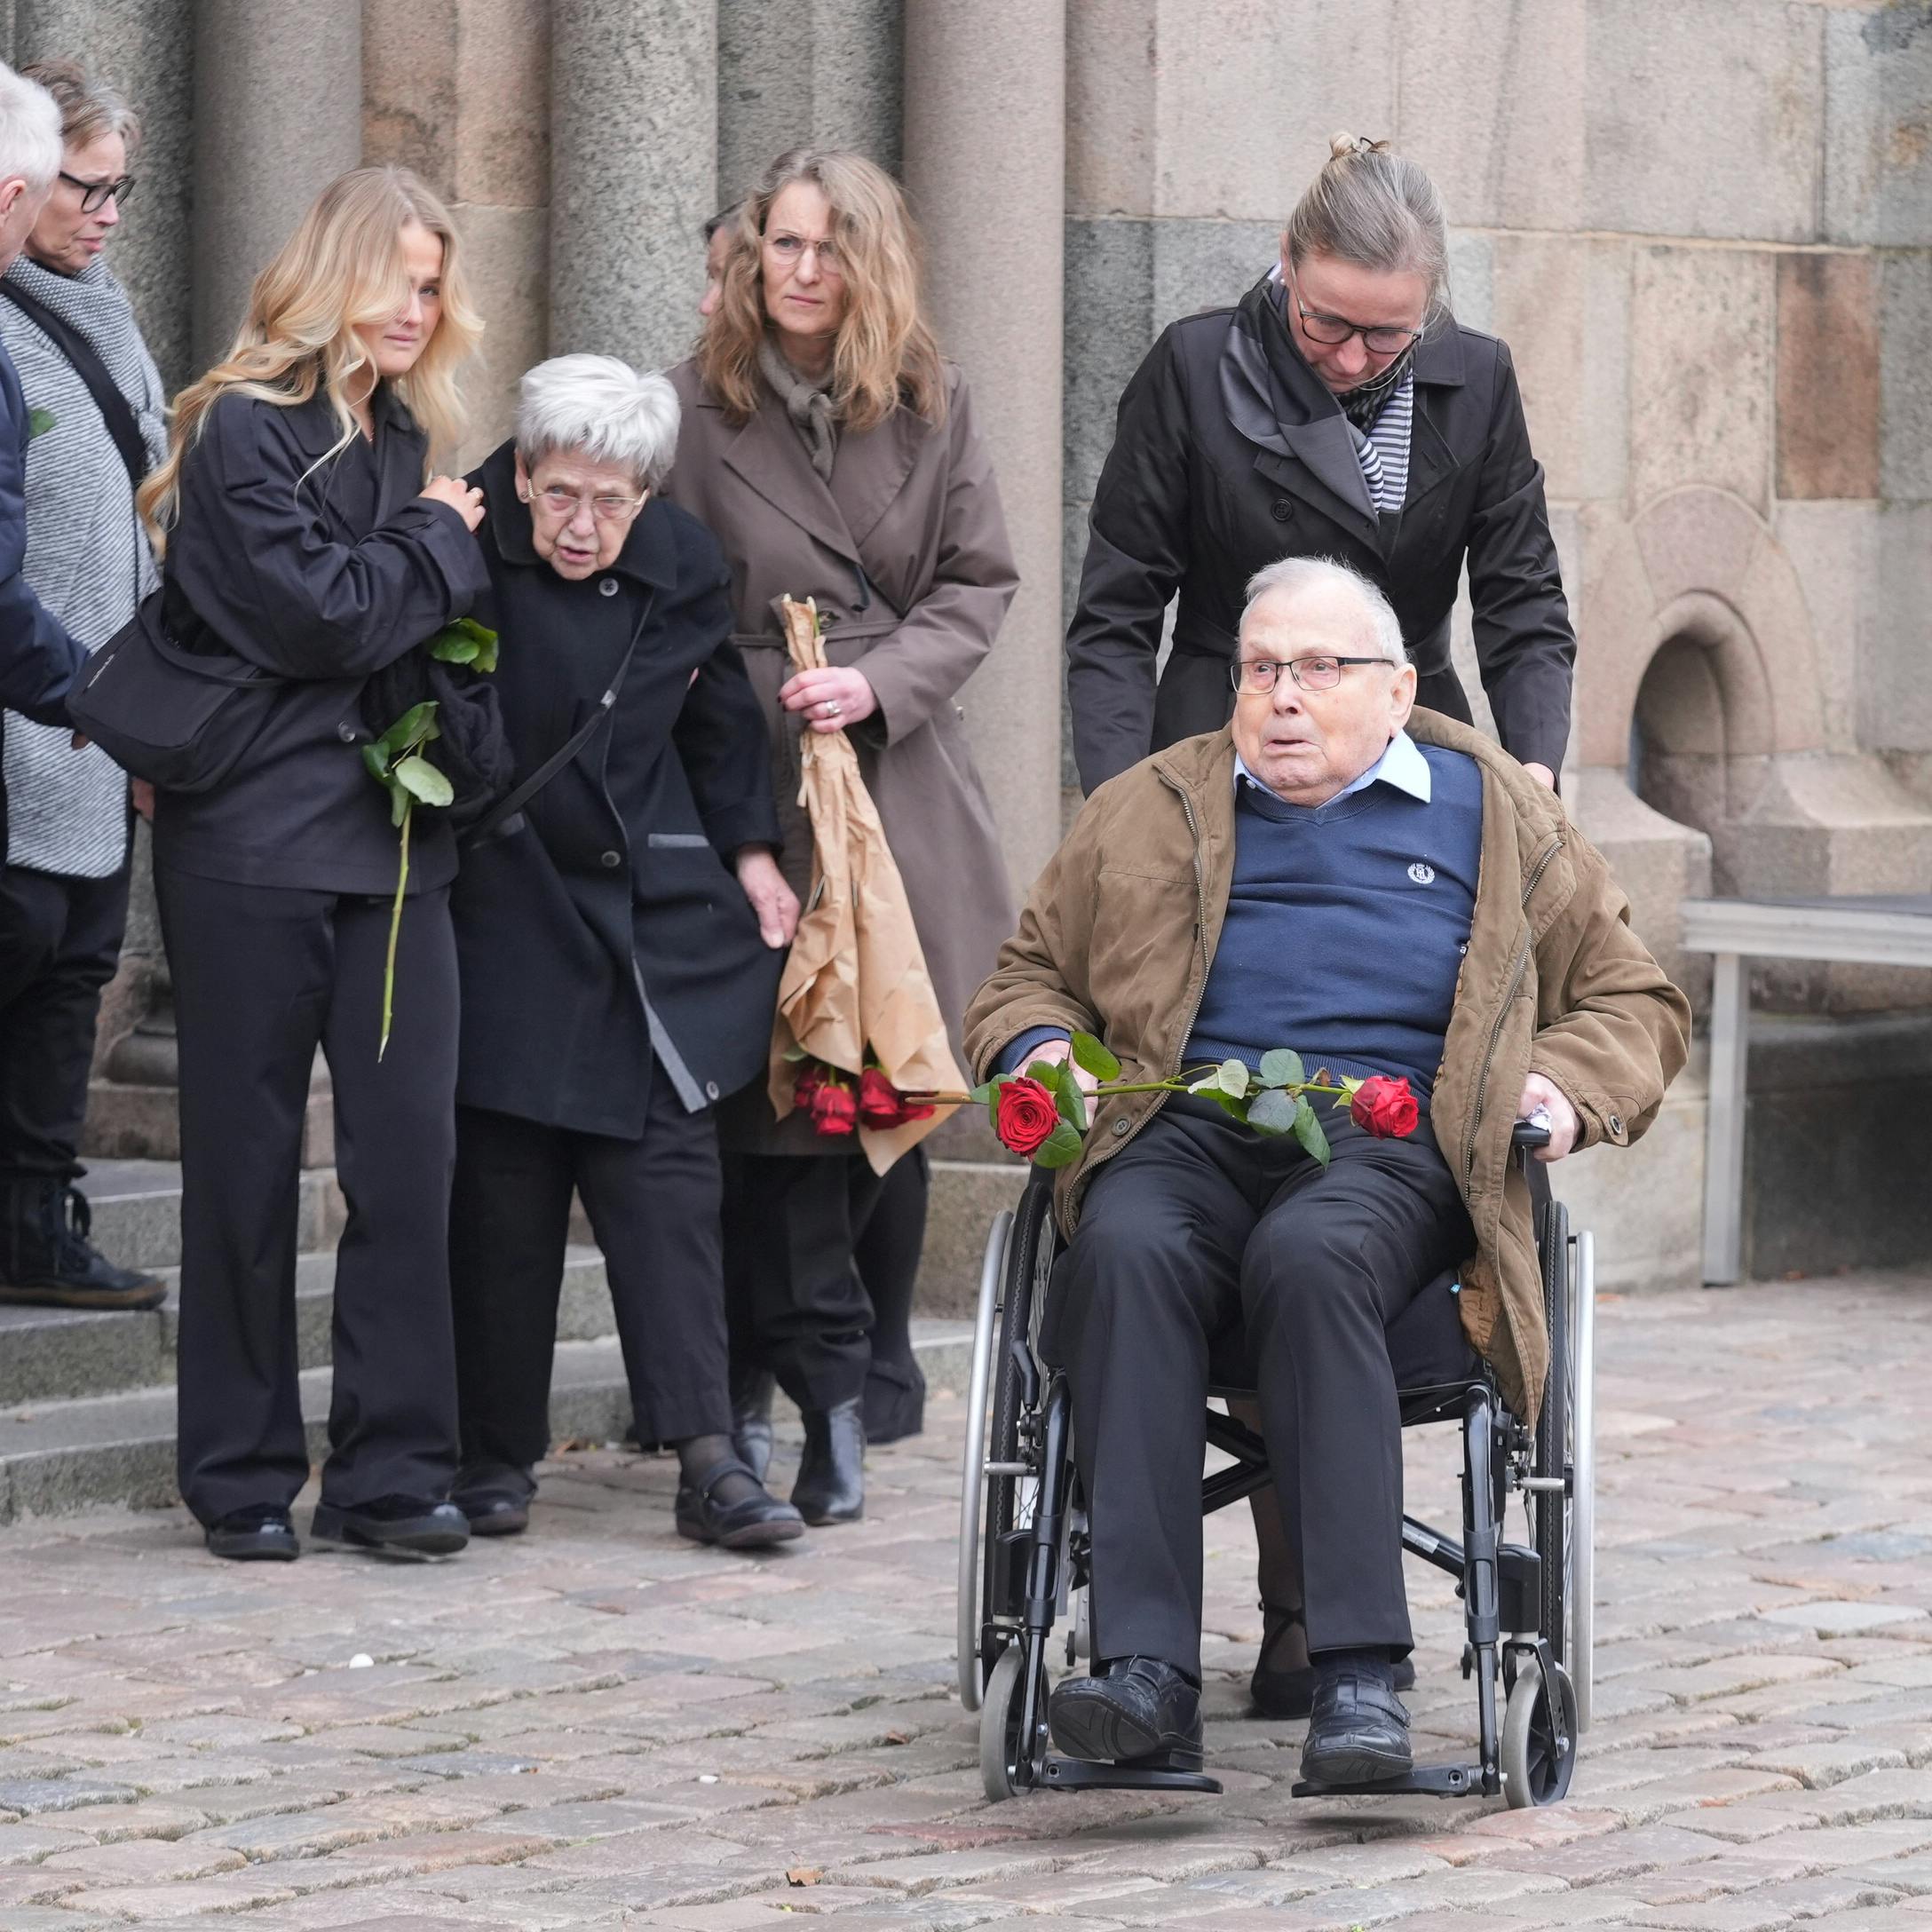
pixel 61 1456
pixel 137 1210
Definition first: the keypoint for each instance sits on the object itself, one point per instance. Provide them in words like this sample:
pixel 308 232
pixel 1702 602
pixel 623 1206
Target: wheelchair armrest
pixel 1527 1135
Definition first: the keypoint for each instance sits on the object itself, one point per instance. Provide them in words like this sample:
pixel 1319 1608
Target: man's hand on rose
pixel 1053 1052
pixel 1564 1124
pixel 830 699
pixel 773 901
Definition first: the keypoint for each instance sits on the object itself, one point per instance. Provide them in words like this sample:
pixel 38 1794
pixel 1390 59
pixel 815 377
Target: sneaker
pixel 46 1260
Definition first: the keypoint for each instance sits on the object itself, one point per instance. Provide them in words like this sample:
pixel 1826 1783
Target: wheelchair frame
pixel 1023 1543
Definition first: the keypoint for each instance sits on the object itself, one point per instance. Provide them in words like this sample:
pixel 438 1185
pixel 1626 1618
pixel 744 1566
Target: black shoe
pixel 751 1422
pixel 831 1485
pixel 408 1525
pixel 1286 1691
pixel 262 1533
pixel 1358 1733
pixel 46 1260
pixel 895 1405
pixel 494 1499
pixel 1141 1712
pixel 753 1522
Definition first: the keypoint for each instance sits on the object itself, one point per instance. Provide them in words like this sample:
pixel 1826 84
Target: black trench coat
pixel 1230 454
pixel 610 927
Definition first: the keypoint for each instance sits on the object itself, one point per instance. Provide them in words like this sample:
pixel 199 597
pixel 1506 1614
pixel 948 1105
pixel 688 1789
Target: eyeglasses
pixel 566 503
pixel 1331 331
pixel 790 251
pixel 1256 676
pixel 96 194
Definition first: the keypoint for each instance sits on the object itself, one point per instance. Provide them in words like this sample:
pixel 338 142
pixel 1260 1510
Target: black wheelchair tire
pixel 1552 1505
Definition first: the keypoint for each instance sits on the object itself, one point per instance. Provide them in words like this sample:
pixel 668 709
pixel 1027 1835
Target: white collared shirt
pixel 1402 766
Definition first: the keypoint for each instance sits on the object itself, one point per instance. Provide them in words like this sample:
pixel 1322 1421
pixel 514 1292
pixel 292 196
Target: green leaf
pixel 1047 1073
pixel 377 761
pixel 409 730
pixel 1091 1056
pixel 1235 1108
pixel 399 801
pixel 1073 1105
pixel 449 650
pixel 1272 1111
pixel 1234 1078
pixel 1281 1066
pixel 466 642
pixel 1308 1131
pixel 1210 1083
pixel 1059 1147
pixel 39 422
pixel 424 782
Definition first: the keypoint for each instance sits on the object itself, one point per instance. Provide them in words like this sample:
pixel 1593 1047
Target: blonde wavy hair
pixel 343 268
pixel 885 353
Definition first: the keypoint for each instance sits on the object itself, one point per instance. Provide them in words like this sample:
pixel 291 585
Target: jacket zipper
pixel 1522 966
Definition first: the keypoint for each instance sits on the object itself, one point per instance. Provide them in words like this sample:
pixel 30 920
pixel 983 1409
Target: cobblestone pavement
pixel 597 1724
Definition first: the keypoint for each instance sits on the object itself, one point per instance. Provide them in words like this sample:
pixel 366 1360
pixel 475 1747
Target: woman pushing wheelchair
pixel 1384 890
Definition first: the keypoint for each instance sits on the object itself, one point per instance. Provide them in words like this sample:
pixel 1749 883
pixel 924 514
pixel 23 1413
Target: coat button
pixel 1282 509
pixel 1615 1126
pixel 608 588
pixel 346 732
pixel 611 858
pixel 1119 1126
pixel 710 1090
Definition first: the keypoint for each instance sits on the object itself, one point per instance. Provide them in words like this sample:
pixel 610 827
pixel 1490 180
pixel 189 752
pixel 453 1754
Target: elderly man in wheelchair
pixel 1387 892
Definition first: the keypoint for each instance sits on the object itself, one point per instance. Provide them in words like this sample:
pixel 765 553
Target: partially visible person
pixel 717 240
pixel 64 890
pixel 619 951
pixel 38 659
pixel 834 456
pixel 305 534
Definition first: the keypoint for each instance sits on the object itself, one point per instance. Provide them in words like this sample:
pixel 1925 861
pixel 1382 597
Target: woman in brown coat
pixel 834 455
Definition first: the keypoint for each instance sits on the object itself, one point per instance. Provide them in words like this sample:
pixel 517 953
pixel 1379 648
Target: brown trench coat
pixel 906 551
pixel 1120 930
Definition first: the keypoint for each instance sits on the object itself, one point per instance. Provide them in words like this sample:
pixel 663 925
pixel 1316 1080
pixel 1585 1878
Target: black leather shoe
pixel 831 1485
pixel 405 1525
pixel 1282 1688
pixel 46 1260
pixel 751 1422
pixel 1357 1734
pixel 752 1521
pixel 261 1534
pixel 1141 1712
pixel 494 1501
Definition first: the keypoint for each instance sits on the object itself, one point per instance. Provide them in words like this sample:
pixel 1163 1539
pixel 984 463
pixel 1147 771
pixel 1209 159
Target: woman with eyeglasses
pixel 102 423
pixel 835 454
pixel 1336 410
pixel 619 941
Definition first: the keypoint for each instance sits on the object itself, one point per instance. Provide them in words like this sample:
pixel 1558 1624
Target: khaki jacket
pixel 1120 930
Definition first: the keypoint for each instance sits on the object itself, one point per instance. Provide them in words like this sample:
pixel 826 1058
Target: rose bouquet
pixel 838 1102
pixel 1043 1113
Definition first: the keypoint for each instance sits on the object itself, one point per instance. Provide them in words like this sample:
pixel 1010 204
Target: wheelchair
pixel 1025 1545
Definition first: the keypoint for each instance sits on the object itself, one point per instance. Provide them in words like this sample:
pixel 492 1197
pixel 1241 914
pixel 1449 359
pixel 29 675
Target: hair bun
pixel 1342 146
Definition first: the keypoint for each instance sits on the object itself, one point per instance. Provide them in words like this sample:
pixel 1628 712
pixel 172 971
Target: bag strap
pixel 115 410
pixel 519 796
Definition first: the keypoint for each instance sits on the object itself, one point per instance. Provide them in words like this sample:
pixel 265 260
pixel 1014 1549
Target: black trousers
pixel 1199 1224
pixel 262 975
pixel 60 943
pixel 654 1206
pixel 795 1227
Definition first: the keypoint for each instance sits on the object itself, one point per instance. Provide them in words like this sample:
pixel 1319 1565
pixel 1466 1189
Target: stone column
pixel 633 174
pixel 986 160
pixel 277 113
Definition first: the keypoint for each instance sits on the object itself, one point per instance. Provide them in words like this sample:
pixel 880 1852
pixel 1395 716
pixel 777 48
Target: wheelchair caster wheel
pixel 1538 1745
pixel 1002 1751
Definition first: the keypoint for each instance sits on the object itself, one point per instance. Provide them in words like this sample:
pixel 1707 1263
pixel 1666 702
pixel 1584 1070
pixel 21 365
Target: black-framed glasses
pixel 1331 331
pixel 1256 676
pixel 97 194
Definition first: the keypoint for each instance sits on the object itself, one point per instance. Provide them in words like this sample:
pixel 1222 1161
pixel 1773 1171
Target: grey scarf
pixel 807 402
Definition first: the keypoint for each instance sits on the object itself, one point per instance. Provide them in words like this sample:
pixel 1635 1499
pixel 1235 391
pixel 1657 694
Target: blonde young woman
pixel 301 533
pixel 834 454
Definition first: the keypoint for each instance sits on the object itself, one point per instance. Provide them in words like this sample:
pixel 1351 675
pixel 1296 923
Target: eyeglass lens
pixel 1331 332
pixel 94 194
pixel 565 503
pixel 791 247
pixel 1258 675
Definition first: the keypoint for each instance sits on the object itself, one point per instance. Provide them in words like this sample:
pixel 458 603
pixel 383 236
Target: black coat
pixel 1230 454
pixel 609 927
pixel 323 576
pixel 38 659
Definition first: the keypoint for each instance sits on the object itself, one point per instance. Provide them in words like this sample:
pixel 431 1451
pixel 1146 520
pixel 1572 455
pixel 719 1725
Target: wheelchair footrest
pixel 1432 1780
pixel 1082 1774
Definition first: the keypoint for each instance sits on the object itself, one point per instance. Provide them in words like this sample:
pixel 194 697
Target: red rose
pixel 1385 1108
pixel 1028 1115
pixel 879 1103
pixel 810 1078
pixel 834 1108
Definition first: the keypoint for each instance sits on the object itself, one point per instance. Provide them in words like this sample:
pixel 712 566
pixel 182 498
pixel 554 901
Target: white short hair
pixel 599 408
pixel 29 133
pixel 1302 573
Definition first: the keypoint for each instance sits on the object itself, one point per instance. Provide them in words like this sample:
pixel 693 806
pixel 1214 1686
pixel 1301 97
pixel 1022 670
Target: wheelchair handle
pixel 1529 1135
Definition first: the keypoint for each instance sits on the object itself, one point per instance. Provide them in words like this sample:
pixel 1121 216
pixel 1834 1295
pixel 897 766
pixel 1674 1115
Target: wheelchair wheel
pixel 1582 1631
pixel 1539 1742
pixel 1553 1460
pixel 1000 1714
pixel 972 1476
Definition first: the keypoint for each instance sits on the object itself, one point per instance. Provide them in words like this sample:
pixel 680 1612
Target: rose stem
pixel 395 928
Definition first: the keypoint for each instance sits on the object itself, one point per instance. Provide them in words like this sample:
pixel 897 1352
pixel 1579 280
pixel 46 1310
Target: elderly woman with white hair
pixel 618 939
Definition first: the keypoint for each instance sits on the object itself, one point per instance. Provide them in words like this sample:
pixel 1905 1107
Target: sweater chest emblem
pixel 1422 874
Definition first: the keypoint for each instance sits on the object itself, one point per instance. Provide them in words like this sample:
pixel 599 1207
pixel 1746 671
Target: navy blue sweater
pixel 1346 926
